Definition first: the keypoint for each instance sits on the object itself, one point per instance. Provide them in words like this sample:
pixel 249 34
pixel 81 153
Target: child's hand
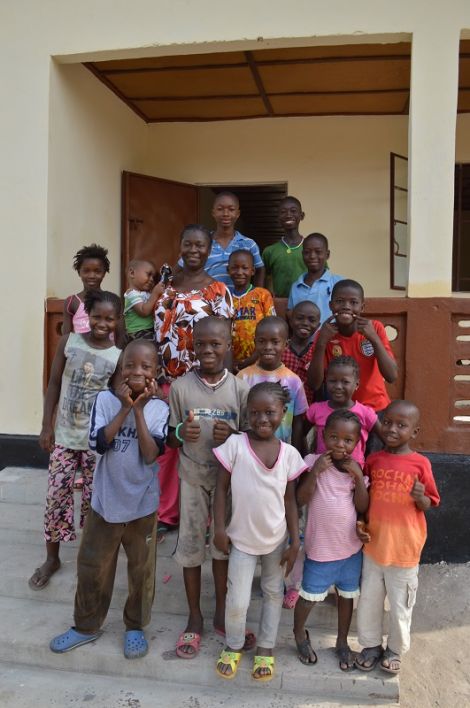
pixel 289 557
pixel 190 430
pixel 352 467
pixel 417 491
pixel 328 330
pixel 222 542
pixel 362 532
pixel 47 438
pixel 157 290
pixel 365 327
pixel 221 431
pixel 123 392
pixel 149 392
pixel 322 463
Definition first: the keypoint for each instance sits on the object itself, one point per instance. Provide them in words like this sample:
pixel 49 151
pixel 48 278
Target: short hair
pixel 337 361
pixel 136 262
pixel 347 283
pixel 412 407
pixel 291 199
pixel 272 321
pixel 191 228
pixel 226 193
pixel 241 251
pixel 270 388
pixel 147 343
pixel 319 237
pixel 311 304
pixel 93 251
pixel 95 297
pixel 345 415
pixel 214 320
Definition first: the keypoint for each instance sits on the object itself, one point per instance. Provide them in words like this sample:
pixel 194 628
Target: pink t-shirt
pixel 319 412
pixel 258 524
pixel 330 533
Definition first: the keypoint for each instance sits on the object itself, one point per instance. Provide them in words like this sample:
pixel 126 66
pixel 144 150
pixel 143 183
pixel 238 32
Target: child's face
pixel 399 426
pixel 315 254
pixel 304 320
pixel 194 249
pixel 240 269
pixel 142 277
pixel 341 382
pixel 139 367
pixel 103 320
pixel 270 343
pixel 225 211
pixel 265 414
pixel 211 345
pixel 341 437
pixel 346 306
pixel 92 273
pixel 290 215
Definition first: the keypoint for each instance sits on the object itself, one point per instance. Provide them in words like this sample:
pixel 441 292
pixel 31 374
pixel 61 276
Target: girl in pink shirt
pixel 335 491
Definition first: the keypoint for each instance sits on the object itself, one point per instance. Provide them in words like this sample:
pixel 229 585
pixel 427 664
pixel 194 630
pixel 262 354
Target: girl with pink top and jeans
pixel 335 490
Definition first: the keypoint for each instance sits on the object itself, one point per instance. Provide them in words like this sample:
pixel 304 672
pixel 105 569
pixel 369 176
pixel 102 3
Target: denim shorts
pixel 318 576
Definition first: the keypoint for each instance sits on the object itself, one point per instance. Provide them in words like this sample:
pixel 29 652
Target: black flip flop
pixel 306 651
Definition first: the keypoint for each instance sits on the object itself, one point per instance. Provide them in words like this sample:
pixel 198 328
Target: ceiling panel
pixel 198 82
pixel 209 109
pixel 339 103
pixel 344 79
pixel 339 76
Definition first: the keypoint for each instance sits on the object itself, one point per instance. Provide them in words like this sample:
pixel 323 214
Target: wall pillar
pixel 432 127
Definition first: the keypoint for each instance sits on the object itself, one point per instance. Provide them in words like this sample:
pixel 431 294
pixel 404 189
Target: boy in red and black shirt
pixel 348 333
pixel 304 319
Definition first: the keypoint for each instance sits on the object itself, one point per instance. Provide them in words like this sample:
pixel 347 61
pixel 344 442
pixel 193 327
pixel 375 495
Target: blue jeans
pixel 241 570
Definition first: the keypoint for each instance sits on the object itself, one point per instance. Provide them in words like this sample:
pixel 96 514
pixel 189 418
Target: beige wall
pixel 93 137
pixel 45 194
pixel 338 167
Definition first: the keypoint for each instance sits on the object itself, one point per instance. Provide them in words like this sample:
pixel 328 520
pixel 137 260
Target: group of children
pixel 248 461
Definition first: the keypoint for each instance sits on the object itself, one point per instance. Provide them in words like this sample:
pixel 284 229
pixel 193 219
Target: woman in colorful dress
pixel 191 295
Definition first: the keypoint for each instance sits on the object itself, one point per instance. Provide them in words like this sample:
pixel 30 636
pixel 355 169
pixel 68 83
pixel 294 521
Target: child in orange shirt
pixel 251 305
pixel 402 488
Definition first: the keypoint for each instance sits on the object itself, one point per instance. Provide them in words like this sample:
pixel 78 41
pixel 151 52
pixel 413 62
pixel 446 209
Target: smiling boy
pixel 317 283
pixel 283 259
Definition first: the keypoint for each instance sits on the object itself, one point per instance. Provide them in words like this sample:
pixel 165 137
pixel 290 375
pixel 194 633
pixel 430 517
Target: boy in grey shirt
pixel 207 405
pixel 127 430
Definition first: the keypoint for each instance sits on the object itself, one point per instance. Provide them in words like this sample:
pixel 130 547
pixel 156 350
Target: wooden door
pixel 154 212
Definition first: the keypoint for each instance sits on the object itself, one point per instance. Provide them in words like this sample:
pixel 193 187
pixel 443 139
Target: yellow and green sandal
pixel 228 658
pixel 263 662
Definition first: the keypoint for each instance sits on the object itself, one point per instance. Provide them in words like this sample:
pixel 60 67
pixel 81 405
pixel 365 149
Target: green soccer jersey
pixel 285 264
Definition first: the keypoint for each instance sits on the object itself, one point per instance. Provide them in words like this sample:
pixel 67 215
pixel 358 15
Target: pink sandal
pixel 290 599
pixel 188 639
pixel 250 638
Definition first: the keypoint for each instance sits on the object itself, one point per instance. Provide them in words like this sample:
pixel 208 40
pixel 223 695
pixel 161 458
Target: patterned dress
pixel 175 316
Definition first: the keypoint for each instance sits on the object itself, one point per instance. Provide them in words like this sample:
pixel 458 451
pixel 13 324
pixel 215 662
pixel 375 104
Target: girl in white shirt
pixel 260 469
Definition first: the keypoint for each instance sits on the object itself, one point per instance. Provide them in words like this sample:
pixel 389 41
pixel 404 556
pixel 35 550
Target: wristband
pixel 177 433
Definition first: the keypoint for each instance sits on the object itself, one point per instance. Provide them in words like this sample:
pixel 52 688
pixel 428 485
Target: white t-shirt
pixel 258 524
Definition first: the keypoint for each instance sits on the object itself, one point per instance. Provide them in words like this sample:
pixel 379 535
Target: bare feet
pixel 41 576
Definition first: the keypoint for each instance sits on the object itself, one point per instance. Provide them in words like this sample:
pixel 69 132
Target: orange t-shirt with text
pixel 396 526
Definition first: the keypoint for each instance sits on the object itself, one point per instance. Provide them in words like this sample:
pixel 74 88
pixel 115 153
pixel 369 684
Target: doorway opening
pixel 259 209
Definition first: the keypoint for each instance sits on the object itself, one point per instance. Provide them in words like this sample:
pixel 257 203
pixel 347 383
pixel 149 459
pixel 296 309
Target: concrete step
pixel 17 566
pixel 31 688
pixel 29 630
pixel 30 619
